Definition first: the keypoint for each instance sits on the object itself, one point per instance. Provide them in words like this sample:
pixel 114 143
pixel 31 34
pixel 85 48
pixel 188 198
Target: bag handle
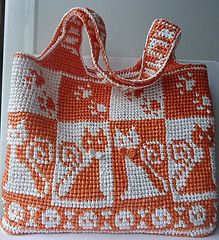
pixel 159 48
pixel 68 35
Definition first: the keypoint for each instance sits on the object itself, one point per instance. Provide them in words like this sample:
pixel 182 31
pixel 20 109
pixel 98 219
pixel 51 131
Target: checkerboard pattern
pixel 93 150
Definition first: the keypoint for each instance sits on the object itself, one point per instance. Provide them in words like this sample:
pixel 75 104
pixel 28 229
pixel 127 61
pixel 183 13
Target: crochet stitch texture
pixel 97 150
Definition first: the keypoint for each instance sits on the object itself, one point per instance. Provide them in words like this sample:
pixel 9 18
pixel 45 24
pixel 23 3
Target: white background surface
pixel 127 23
pixel 30 24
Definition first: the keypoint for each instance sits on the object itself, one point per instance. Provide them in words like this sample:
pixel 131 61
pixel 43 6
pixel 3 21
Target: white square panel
pixel 33 89
pixel 142 104
pixel 186 141
pixel 78 146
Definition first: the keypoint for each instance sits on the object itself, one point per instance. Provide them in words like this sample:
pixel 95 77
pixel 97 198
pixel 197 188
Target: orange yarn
pixel 93 150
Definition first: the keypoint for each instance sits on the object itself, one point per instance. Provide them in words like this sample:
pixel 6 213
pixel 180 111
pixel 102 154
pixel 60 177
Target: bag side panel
pixel 190 136
pixel 31 139
pixel 145 158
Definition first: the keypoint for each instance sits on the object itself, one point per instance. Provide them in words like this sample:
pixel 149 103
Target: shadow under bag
pixel 90 149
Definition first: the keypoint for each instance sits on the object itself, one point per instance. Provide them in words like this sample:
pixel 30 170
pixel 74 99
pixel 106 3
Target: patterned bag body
pixel 97 150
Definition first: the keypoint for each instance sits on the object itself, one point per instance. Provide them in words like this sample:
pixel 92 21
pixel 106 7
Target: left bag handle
pixel 65 46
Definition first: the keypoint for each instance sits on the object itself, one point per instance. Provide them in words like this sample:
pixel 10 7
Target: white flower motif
pixel 161 218
pixel 51 218
pixel 197 215
pixel 124 220
pixel 88 220
pixel 15 212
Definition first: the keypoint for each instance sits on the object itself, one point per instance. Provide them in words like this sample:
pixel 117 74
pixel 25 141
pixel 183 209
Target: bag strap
pixel 65 46
pixel 159 47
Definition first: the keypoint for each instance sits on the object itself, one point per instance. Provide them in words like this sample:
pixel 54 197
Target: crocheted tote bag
pixel 90 149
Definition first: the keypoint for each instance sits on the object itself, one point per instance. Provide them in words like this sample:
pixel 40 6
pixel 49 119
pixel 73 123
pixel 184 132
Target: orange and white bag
pixel 90 149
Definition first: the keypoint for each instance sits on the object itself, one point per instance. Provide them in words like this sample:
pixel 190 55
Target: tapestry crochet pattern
pixel 97 150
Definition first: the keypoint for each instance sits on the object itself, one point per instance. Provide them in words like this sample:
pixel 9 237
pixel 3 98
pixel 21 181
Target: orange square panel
pixel 83 101
pixel 187 94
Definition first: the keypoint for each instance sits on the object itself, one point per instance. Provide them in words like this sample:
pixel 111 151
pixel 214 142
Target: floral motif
pixel 161 218
pixel 88 220
pixel 124 220
pixel 197 215
pixel 16 212
pixel 51 218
